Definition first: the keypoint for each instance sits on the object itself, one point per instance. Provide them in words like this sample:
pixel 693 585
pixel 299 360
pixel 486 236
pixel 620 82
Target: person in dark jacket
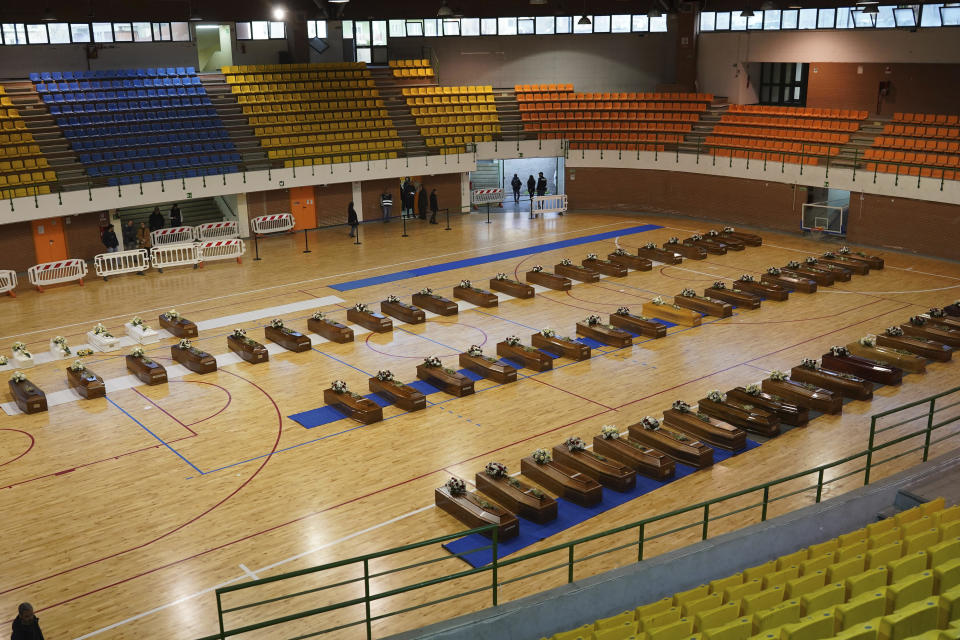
pixel 516 184
pixel 434 206
pixel 422 202
pixel 531 185
pixel 410 196
pixel 129 236
pixel 176 218
pixel 156 219
pixel 26 626
pixel 352 219
pixel 109 239
pixel 541 185
pixel 386 203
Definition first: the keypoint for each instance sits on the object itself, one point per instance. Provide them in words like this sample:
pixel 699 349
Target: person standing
pixel 109 239
pixel 129 236
pixel 143 237
pixel 352 219
pixel 26 626
pixel 541 185
pixel 410 195
pixel 516 184
pixel 434 206
pixel 531 185
pixel 386 203
pixel 176 218
pixel 422 202
pixel 156 219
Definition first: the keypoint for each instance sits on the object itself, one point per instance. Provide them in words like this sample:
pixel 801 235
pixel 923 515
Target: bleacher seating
pixel 417 68
pixel 451 117
pixel 799 112
pixel 627 121
pixel 317 113
pixel 24 171
pixel 894 579
pixel 928 148
pixel 139 125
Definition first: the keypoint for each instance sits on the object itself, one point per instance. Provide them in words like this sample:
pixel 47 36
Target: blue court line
pixel 445 346
pixel 179 455
pixel 493 257
pixel 369 375
pixel 493 315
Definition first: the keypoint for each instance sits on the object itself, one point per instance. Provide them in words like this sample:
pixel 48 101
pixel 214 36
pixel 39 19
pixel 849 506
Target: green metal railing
pixel 700 517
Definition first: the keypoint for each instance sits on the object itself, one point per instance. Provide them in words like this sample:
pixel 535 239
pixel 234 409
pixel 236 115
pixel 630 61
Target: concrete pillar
pixel 464 192
pixel 243 216
pixel 358 200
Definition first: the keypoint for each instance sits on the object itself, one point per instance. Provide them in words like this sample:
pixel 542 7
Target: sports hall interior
pixel 694 382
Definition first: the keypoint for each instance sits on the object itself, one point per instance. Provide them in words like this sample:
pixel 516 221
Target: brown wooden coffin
pixel 917 346
pixel 181 327
pixel 28 397
pixel 476 296
pixel 675 444
pixel 576 272
pixel 937 334
pixel 475 512
pixel 288 339
pixel 647 328
pixel 731 243
pixel 849 387
pixel 740 299
pixel 564 481
pixel 887 355
pixel 565 348
pixel 512 288
pixel 641 458
pixel 766 290
pixel 952 309
pixel 149 372
pixel 606 471
pixel 840 274
pixel 530 357
pixel 489 368
pixel 944 322
pixel 863 368
pixel 252 351
pixel 746 416
pixel 436 304
pixel 403 312
pixel 716 308
pixel 660 255
pixel 456 384
pixel 88 384
pixel 787 412
pixel 332 331
pixel 196 360
pixel 631 261
pixel 354 406
pixel 686 250
pixel 604 334
pixel 809 396
pixel 549 280
pixel 803 285
pixel 711 247
pixel 821 277
pixel 606 267
pixel 518 497
pixel 874 262
pixel 713 432
pixel 668 312
pixel 375 322
pixel 749 239
pixel 859 268
pixel 402 395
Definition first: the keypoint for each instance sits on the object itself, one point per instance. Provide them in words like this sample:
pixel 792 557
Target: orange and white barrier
pixel 57 272
pixel 275 223
pixel 222 250
pixel 8 282
pixel 216 231
pixel 486 196
pixel 173 235
pixel 118 262
pixel 175 255
pixel 556 203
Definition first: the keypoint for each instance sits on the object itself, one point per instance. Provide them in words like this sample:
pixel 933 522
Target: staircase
pixel 195 212
pixel 391 92
pixel 235 122
pixel 508 113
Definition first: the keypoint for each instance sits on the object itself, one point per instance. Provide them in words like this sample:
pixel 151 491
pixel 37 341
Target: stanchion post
pixel 256 245
pixel 404 234
pixel 358 235
pixel 306 242
pixel 448 219
pixel 488 213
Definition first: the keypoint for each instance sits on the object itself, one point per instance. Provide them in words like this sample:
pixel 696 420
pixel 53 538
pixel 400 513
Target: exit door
pixel 49 241
pixel 303 207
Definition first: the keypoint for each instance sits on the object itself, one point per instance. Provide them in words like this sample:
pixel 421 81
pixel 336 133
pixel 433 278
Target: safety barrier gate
pixel 221 250
pixel 556 203
pixel 216 231
pixel 486 196
pixel 8 282
pixel 118 262
pixel 175 255
pixel 173 235
pixel 275 223
pixel 57 272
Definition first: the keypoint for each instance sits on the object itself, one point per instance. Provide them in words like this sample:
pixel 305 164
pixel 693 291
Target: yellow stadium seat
pixel 784 613
pixel 947 576
pixel 740 629
pixel 867 581
pixel 762 600
pixel 807 583
pixel 828 596
pixel 720 616
pixel 842 570
pixel 912 620
pixel 863 608
pixel 813 627
pixel 907 566
pixel 911 589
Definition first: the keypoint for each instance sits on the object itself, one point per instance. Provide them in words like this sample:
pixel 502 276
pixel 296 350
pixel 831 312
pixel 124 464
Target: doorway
pixel 49 241
pixel 214 47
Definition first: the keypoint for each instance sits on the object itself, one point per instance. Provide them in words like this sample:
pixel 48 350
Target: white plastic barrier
pixel 221 250
pixel 173 235
pixel 217 231
pixel 175 255
pixel 8 282
pixel 275 223
pixel 486 196
pixel 57 272
pixel 113 264
pixel 549 204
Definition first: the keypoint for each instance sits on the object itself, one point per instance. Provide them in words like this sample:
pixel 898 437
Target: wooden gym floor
pixel 121 515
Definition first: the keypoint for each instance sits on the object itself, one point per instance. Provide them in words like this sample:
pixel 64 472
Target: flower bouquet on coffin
pixel 592 327
pixel 22 358
pixel 490 368
pixel 352 404
pixel 88 384
pixel 28 397
pixel 101 339
pixel 59 348
pixel 447 380
pixel 141 332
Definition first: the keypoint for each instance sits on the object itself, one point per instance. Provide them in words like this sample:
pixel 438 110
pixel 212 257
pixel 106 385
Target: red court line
pixel 571 393
pixel 32 442
pixel 176 419
pixel 832 315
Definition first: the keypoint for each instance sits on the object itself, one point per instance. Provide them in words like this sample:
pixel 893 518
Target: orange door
pixel 303 207
pixel 49 241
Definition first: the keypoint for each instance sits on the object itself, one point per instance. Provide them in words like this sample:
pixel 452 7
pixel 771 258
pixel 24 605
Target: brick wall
pixel 921 88
pixel 332 201
pixel 265 203
pixel 919 226
pixel 83 235
pixel 16 247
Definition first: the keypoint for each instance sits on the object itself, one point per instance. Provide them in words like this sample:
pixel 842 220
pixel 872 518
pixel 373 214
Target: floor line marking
pixel 249 573
pixel 366 373
pixel 161 441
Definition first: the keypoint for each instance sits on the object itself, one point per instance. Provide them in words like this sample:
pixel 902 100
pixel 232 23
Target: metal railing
pixel 638 535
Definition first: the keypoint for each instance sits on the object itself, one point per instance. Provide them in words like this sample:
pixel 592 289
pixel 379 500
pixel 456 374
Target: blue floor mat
pixel 569 515
pixel 327 414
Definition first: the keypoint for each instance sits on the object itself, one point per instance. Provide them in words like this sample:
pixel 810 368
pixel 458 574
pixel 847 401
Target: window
pixel 161 31
pixel 37 34
pixel 808 18
pixel 601 24
pixel 102 32
pixel 658 25
pixel 723 21
pixel 318 28
pixel 930 15
pixel 398 28
pixel 582 28
pixel 363 55
pixel 488 26
pixel 950 16
pixel 361 33
pixel 789 19
pixel 826 19
pixel 708 20
pixel 844 19
pixel 755 22
pixel 545 25
pixel 14 34
pixel 122 32
pixel 507 26
pixel 278 31
pixel 379 28
pixel 243 31
pixel 905 17
pixel 431 27
pixel 80 32
pixel 771 20
pixel 59 32
pixel 863 20
pixel 525 26
pixel 783 83
pixel 564 24
pixel 470 26
pixel 620 24
pixel 142 32
pixel 414 28
pixel 259 30
pixel 739 23
pixel 451 27
pixel 347 29
pixel 885 19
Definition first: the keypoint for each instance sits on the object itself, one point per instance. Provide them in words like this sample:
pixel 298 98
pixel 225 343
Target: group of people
pixel 535 186
pixel 408 196
pixel 139 237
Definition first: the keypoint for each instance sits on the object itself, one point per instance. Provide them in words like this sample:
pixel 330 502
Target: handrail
pixel 498 564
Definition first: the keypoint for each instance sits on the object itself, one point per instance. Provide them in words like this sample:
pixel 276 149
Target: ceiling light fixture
pixel 871 9
pixel 279 13
pixel 654 13
pixel 538 2
pixel 583 21
pixel 769 5
pixel 746 13
pixel 48 15
pixel 444 11
pixel 338 1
